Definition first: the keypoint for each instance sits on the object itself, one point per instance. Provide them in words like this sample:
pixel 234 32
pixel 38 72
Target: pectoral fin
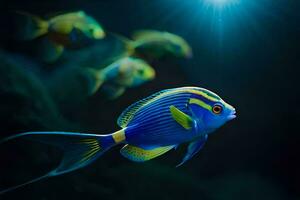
pixel 193 149
pixel 49 51
pixel 138 154
pixel 181 118
pixel 111 91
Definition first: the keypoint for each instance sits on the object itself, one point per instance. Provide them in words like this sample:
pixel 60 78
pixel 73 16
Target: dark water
pixel 248 53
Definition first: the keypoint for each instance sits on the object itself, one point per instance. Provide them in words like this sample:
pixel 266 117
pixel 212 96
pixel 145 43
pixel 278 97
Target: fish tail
pixel 129 44
pixel 95 80
pixel 23 184
pixel 30 26
pixel 79 150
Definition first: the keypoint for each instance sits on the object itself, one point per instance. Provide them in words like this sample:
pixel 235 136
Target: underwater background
pixel 245 51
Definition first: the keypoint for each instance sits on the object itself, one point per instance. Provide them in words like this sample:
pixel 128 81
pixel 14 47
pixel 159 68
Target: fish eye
pixel 217 109
pixel 140 71
pixel 177 48
pixel 91 30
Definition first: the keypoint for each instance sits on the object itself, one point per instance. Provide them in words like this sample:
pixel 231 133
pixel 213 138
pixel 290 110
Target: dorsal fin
pixel 146 34
pixel 128 114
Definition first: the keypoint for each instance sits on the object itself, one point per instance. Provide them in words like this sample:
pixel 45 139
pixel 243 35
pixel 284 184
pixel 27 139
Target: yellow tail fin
pixel 30 26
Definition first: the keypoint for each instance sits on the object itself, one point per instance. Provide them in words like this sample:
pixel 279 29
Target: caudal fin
pixel 95 80
pixel 23 184
pixel 80 149
pixel 30 26
pixel 129 45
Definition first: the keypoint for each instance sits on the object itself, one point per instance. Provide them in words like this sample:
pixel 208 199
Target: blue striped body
pixel 150 128
pixel 153 124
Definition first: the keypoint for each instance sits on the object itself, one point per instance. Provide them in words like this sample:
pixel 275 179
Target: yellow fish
pixel 155 44
pixel 70 30
pixel 124 73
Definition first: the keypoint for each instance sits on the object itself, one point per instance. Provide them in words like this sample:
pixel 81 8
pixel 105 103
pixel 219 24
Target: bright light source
pixel 220 3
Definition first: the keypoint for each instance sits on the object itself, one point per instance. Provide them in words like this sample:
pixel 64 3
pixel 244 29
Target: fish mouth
pixel 232 115
pixel 151 74
pixel 99 34
pixel 189 55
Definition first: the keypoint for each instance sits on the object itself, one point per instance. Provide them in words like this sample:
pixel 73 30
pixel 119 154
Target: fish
pixel 156 44
pixel 148 128
pixel 127 72
pixel 69 30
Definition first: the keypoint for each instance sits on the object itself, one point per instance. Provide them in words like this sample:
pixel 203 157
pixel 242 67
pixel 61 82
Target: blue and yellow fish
pixel 149 128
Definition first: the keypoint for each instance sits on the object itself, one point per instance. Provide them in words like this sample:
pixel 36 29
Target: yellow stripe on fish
pixel 126 117
pixel 200 103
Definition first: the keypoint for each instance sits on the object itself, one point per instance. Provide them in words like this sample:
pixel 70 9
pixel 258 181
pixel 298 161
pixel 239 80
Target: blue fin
pixel 24 184
pixel 193 149
pixel 128 114
pixel 79 149
pixel 138 154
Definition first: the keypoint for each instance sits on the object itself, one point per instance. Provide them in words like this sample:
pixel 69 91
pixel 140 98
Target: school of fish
pixel 148 128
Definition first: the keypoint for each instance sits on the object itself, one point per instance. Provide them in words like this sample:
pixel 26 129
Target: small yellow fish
pixel 156 44
pixel 124 73
pixel 67 30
